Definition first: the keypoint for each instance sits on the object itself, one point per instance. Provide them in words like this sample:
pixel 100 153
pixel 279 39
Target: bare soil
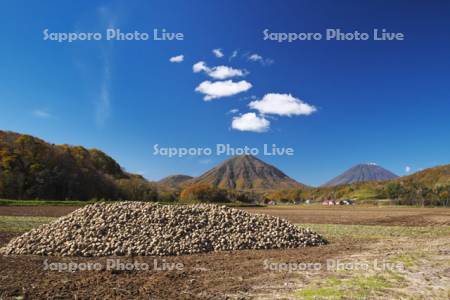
pixel 356 215
pixel 37 211
pixel 207 276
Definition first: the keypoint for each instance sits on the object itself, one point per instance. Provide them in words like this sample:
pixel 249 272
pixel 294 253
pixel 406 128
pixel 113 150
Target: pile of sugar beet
pixel 139 228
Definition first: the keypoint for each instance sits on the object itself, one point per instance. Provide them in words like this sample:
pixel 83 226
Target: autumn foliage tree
pixel 203 193
pixel 137 189
pixel 288 196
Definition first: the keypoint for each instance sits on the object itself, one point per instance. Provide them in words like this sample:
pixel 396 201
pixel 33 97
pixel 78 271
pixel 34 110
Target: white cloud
pixel 218 52
pixel 255 57
pixel 407 169
pixel 41 113
pixel 177 59
pixel 233 111
pixel 258 58
pixel 219 72
pixel 200 66
pixel 233 55
pixel 282 105
pixel 219 89
pixel 250 122
pixel 224 72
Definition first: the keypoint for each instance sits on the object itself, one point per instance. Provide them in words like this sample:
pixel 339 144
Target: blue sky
pixel 386 102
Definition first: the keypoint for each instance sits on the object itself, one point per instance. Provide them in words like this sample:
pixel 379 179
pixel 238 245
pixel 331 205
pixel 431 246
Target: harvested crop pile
pixel 137 228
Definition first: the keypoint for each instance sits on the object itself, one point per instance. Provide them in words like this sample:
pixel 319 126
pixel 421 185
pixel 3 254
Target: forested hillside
pixel 30 168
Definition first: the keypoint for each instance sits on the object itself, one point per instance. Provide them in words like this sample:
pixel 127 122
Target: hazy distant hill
pixel 361 173
pixel 174 181
pixel 247 172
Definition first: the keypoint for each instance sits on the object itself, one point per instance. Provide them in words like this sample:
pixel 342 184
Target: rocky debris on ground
pixel 139 228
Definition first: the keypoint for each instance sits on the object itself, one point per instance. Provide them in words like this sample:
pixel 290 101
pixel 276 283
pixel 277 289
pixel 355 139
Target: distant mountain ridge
pixel 247 172
pixel 361 173
pixel 175 181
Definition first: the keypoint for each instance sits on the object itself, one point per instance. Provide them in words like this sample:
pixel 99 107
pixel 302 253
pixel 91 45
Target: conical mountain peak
pixel 246 172
pixel 361 173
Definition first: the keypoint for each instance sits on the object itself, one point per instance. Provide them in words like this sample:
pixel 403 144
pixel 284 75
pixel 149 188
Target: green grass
pixel 407 259
pixel 363 194
pixel 21 224
pixel 321 293
pixel 334 231
pixel 356 287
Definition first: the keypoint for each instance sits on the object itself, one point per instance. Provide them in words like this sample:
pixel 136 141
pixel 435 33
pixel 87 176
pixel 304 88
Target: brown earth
pixel 6 236
pixel 207 276
pixel 37 211
pixel 314 214
pixel 359 215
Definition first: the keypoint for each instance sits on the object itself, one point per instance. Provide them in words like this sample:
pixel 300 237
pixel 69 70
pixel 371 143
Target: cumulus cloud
pixel 250 122
pixel 218 53
pixel 219 89
pixel 233 111
pixel 258 58
pixel 177 59
pixel 200 66
pixel 255 57
pixel 282 105
pixel 219 72
pixel 223 72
